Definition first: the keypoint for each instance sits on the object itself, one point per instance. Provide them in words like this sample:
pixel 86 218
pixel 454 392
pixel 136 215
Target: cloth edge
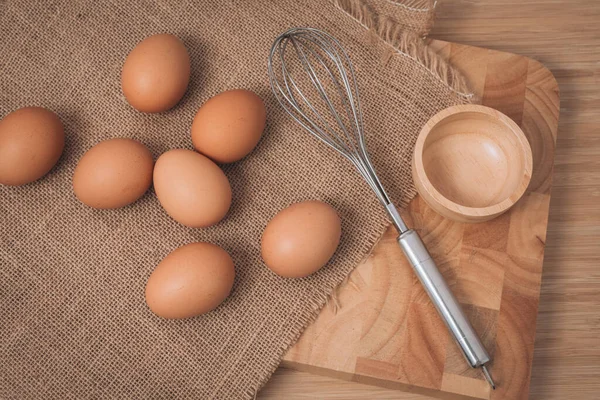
pixel 406 43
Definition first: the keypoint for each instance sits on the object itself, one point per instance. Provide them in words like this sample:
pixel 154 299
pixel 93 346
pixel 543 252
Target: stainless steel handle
pixel 444 301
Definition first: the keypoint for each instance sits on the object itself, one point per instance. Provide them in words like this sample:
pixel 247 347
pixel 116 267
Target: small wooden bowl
pixel 471 163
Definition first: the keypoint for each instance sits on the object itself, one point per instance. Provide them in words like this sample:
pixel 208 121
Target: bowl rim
pixel 494 209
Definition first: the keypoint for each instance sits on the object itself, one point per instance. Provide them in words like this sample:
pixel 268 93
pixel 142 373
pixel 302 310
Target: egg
pixel 192 280
pixel 191 188
pixel 228 126
pixel 156 73
pixel 31 142
pixel 113 173
pixel 301 239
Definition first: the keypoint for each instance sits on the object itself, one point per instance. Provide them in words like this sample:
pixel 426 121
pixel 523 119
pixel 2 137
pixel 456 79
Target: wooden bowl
pixel 471 163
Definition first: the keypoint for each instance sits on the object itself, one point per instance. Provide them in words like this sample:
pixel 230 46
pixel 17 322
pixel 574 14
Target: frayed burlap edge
pixel 407 44
pixel 402 43
pixel 316 302
pixel 425 8
pixel 416 5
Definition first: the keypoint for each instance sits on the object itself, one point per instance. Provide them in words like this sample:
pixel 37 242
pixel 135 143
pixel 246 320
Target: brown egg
pixel 191 188
pixel 190 281
pixel 113 173
pixel 228 126
pixel 31 142
pixel 156 73
pixel 301 239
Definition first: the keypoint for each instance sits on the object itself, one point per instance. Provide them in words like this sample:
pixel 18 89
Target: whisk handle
pixel 443 299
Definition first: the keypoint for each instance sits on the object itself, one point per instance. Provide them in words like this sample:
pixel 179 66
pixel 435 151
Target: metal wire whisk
pixel 313 79
pixel 346 137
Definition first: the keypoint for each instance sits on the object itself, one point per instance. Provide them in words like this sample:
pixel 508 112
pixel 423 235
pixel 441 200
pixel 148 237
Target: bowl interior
pixel 473 159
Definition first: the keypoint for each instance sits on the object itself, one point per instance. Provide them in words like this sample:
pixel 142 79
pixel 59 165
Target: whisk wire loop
pixel 337 118
pixel 323 93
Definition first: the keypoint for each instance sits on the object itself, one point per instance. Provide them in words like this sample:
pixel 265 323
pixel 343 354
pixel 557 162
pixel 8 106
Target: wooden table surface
pixel 565 36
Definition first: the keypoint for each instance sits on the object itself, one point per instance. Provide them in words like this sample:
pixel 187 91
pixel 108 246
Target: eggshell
pixel 301 239
pixel 228 126
pixel 156 73
pixel 192 280
pixel 31 142
pixel 191 188
pixel 113 174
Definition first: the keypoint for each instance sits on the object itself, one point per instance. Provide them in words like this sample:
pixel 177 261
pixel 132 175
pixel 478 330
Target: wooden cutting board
pixel 381 329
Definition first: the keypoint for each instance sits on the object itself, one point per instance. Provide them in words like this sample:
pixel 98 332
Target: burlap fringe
pixel 419 6
pixel 316 305
pixel 406 43
pixel 415 5
pixel 333 300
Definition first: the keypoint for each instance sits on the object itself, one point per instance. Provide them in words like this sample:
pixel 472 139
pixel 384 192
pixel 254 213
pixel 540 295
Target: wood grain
pixel 565 36
pixel 403 343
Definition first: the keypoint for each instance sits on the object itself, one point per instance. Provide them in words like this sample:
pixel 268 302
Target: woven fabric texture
pixel 73 320
pixel 414 15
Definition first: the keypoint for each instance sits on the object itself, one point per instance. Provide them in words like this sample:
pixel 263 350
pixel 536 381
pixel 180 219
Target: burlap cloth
pixel 73 321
